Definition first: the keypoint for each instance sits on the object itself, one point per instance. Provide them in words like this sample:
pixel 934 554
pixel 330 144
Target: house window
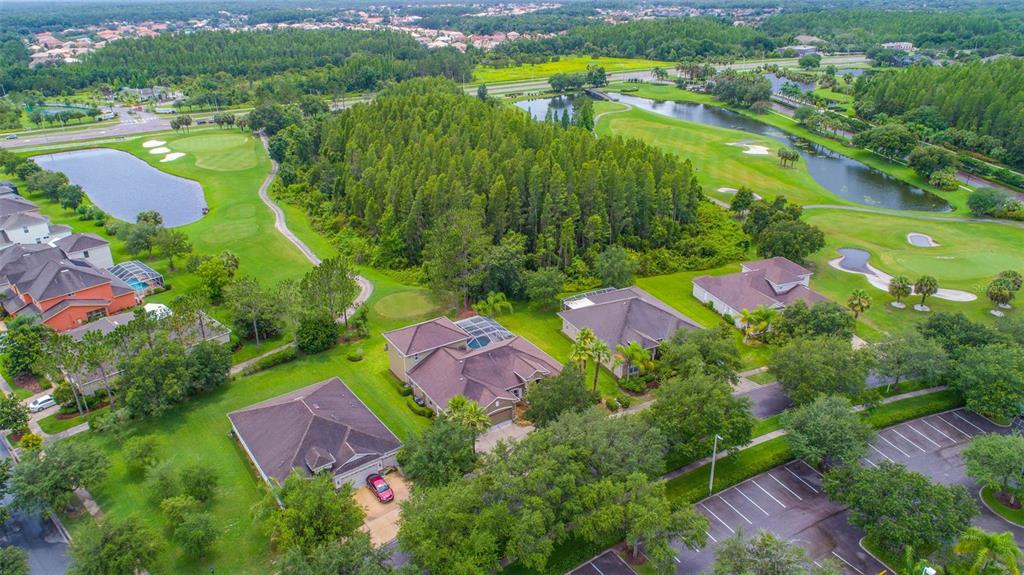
pixel 85 253
pixel 518 392
pixel 95 314
pixel 632 371
pixel 24 229
pixel 39 240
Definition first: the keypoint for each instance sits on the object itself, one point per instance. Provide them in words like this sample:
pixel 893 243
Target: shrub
pixel 624 401
pixel 401 388
pixel 316 333
pixel 195 533
pixel 198 481
pixel 141 453
pixel 272 360
pixel 162 481
pixel 31 441
pixel 418 409
pixel 177 507
pixel 109 420
pixel 355 355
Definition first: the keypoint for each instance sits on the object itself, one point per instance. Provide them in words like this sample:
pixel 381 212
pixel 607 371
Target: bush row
pixel 273 360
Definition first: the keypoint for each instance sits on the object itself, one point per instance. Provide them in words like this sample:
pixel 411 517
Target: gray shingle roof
pixel 15 205
pixel 79 242
pixel 426 336
pixel 304 429
pixel 628 314
pixel 19 259
pixel 57 278
pixel 753 287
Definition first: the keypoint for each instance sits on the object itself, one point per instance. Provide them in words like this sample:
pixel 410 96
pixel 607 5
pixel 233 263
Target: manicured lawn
pixel 767 425
pixel 566 64
pixel 762 378
pixel 198 431
pixel 1008 513
pixel 969 256
pixel 911 408
pixel 693 486
pixel 51 424
pixel 405 305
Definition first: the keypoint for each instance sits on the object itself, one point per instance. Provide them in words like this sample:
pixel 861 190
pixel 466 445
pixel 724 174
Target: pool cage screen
pixel 142 278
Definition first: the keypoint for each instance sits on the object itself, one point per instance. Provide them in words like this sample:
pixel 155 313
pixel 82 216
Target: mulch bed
pixel 1004 500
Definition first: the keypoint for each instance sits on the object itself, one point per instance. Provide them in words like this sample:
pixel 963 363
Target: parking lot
pixel 607 563
pixel 789 502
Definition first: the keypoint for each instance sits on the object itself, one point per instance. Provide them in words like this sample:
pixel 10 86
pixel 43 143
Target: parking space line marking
pixel 923 435
pixel 752 501
pixel 786 488
pixel 957 413
pixel 768 494
pixel 800 480
pixel 718 518
pixel 878 451
pixel 812 469
pixel 923 450
pixel 869 462
pixel 677 559
pixel 925 421
pixel 882 437
pixel 950 423
pixel 736 510
pixel 711 536
pixel 848 563
pixel 594 565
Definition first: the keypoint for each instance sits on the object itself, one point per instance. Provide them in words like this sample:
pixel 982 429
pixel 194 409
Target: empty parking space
pixel 607 563
pixel 921 439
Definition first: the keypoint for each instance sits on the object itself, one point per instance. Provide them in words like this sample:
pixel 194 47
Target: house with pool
pixel 476 358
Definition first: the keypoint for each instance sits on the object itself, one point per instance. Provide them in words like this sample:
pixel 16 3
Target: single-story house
pixel 476 358
pixel 322 428
pixel 620 316
pixel 774 282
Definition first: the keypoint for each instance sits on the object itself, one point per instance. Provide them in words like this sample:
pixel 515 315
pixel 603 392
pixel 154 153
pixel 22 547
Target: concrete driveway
pixel 382 518
pixel 507 430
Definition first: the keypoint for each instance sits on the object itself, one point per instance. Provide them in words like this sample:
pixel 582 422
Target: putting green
pixel 406 305
pixel 227 152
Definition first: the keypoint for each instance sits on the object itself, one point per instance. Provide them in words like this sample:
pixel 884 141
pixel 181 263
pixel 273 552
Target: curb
pixel 860 543
pixel 994 512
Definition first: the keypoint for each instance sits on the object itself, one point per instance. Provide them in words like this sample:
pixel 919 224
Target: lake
pixel 123 185
pixel 778 82
pixel 843 176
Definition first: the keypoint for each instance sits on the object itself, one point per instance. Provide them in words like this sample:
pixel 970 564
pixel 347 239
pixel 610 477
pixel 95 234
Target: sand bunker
pixel 855 261
pixel 921 240
pixel 153 143
pixel 753 149
pixel 733 191
pixel 160 150
pixel 171 157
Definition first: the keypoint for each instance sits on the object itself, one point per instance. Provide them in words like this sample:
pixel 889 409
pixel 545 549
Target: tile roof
pixel 753 287
pixel 628 314
pixel 483 374
pixel 425 336
pixel 321 425
pixel 79 242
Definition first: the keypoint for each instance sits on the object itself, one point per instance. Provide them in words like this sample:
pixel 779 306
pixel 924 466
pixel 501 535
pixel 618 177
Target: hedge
pixel 273 360
pixel 418 409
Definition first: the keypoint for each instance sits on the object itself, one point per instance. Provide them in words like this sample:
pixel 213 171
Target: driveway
pixel 382 518
pixel 507 430
pixel 767 400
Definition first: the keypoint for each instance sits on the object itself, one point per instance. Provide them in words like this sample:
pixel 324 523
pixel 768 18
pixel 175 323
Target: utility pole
pixel 714 456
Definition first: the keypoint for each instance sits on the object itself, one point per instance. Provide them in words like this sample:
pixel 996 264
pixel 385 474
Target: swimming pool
pixel 137 285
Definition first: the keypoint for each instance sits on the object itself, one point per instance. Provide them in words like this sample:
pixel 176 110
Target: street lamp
pixel 714 456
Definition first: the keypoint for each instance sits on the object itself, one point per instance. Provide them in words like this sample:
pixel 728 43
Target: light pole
pixel 714 456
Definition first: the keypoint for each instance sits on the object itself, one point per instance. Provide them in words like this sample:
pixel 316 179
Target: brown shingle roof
pixel 629 314
pixel 425 336
pixel 753 287
pixel 307 428
pixel 778 269
pixel 483 374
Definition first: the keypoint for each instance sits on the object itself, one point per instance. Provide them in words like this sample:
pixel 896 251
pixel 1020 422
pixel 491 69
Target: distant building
pixel 904 46
pixel 800 49
pixel 808 39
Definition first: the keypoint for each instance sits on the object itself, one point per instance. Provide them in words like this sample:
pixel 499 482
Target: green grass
pixel 566 64
pixel 1008 513
pixel 767 425
pixel 911 408
pixel 693 486
pixel 762 378
pixel 51 424
pixel 406 305
pixel 969 256
pixel 885 556
pixel 198 431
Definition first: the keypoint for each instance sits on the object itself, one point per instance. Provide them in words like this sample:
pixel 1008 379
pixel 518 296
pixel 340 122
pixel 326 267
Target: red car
pixel 380 488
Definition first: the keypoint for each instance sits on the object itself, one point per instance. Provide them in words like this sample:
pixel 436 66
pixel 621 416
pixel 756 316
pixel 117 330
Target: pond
pixel 843 176
pixel 778 82
pixel 123 185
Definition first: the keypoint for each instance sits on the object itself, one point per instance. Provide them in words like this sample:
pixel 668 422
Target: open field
pixel 567 64
pixel 969 256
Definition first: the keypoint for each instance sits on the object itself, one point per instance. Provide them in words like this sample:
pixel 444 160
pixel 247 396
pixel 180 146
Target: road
pixel 46 546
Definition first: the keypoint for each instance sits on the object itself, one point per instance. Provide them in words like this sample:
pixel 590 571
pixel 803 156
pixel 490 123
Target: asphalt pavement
pixel 46 546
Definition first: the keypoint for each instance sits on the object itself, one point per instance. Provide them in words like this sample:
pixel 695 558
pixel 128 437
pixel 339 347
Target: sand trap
pixel 733 191
pixel 160 150
pixel 171 157
pixel 921 240
pixel 153 143
pixel 880 280
pixel 753 149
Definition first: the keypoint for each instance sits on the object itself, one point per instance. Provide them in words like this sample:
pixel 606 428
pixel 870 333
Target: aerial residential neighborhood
pixel 512 288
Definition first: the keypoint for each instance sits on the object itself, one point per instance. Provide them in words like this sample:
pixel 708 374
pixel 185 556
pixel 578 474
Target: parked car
pixel 40 403
pixel 380 488
pixel 12 137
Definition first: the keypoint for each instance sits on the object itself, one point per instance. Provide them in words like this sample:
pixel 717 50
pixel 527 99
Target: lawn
pixel 968 257
pixel 1015 516
pixel 198 431
pixel 565 64
pixel 52 424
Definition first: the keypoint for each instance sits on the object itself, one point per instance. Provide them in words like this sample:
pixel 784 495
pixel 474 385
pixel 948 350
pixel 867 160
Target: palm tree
pixel 1014 278
pixel 600 353
pixel 858 302
pixel 580 352
pixel 899 288
pixel 659 73
pixel 926 286
pixel 467 413
pixel 635 355
pixel 1000 291
pixel 989 552
pixel 493 305
pixel 757 322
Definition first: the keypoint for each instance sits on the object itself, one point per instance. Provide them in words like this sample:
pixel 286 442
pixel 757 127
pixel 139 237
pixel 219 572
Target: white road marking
pixel 711 536
pixel 718 518
pixel 957 413
pixel 848 563
pixel 737 489
pixel 908 441
pixel 950 423
pixel 677 559
pixel 791 492
pixel 878 451
pixel 923 435
pixel 869 462
pixel 882 437
pixel 943 433
pixel 736 510
pixel 812 469
pixel 594 565
pixel 809 486
pixel 768 494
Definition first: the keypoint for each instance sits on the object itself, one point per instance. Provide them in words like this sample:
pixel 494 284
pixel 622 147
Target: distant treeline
pixel 342 60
